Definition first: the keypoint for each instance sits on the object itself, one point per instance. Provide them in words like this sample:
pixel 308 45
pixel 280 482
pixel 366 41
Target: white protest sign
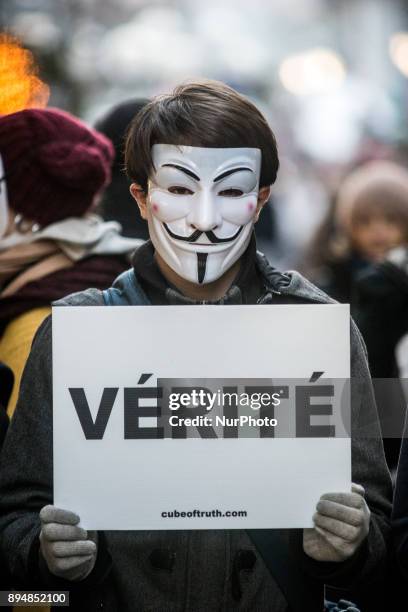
pixel 114 479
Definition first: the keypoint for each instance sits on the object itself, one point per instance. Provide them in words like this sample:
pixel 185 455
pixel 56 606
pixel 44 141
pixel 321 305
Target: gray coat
pixel 179 571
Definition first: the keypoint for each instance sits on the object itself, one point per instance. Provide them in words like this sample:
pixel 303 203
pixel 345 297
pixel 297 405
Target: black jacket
pixel 134 570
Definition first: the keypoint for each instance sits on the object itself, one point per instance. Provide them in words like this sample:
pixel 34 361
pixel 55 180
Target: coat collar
pixel 290 283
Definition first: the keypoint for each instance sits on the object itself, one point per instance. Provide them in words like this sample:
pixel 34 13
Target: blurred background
pixel 330 75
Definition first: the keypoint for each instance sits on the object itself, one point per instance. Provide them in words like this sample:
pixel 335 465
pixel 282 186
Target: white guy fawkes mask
pixel 201 207
pixel 4 213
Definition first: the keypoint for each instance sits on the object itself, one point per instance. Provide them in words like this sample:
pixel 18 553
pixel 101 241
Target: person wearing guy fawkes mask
pixel 201 160
pixel 53 169
pixel 201 208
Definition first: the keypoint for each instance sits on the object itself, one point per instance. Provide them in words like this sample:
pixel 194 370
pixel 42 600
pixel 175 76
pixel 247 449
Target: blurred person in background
pixel 116 203
pixel 359 256
pixel 368 218
pixel 53 169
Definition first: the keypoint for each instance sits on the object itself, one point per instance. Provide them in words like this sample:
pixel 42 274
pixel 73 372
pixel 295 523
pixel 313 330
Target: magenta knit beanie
pixel 54 164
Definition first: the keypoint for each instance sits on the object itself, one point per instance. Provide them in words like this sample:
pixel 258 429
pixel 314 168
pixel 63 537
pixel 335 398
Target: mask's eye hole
pixel 231 193
pixel 178 190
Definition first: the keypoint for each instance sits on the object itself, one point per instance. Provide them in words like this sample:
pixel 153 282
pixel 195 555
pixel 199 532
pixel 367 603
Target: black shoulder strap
pixel 280 550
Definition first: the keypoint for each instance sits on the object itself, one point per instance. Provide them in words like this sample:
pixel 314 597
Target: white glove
pixel 69 551
pixel 342 522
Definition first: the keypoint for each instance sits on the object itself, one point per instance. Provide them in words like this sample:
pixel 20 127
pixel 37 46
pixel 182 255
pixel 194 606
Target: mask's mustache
pixel 195 235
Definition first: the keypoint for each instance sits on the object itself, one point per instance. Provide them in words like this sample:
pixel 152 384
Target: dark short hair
pixel 199 114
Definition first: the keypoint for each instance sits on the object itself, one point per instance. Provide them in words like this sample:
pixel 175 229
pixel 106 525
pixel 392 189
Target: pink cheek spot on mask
pixel 155 208
pixel 251 207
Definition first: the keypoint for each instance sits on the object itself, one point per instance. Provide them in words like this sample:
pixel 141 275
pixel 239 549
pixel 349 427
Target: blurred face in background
pixel 372 209
pixel 374 234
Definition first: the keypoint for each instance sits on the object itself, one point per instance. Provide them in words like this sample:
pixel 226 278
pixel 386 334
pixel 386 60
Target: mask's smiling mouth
pixel 197 233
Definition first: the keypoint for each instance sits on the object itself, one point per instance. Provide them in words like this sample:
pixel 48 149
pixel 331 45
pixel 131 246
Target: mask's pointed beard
pixel 201 266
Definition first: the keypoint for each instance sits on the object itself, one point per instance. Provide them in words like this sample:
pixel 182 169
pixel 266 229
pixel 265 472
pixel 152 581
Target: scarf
pixel 78 237
pixel 27 262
